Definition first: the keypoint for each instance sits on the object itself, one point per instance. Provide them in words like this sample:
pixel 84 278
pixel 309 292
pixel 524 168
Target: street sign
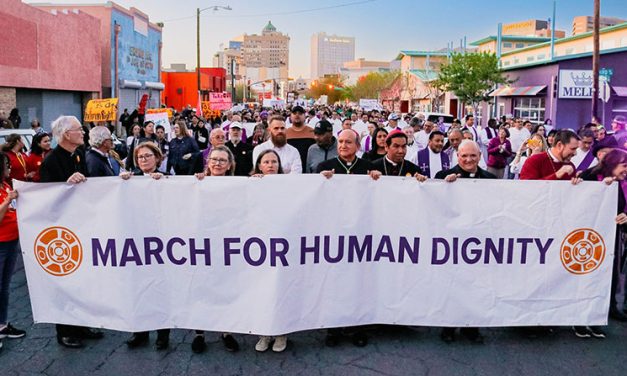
pixel 605 91
pixel 607 73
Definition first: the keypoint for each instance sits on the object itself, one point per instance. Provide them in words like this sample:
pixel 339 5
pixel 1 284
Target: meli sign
pixel 575 84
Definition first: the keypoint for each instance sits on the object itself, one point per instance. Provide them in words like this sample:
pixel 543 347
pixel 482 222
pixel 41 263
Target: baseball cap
pixel 322 127
pixel 298 109
pixel 236 124
pixel 393 116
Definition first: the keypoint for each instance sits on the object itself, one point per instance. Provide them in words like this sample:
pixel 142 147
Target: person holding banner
pixel 611 168
pixel 290 157
pixel 97 158
pixel 66 164
pixel 220 163
pixel 468 156
pixel 147 133
pixel 242 151
pixel 431 159
pixel 555 163
pixel 182 147
pixel 394 163
pixel 9 247
pixel 14 150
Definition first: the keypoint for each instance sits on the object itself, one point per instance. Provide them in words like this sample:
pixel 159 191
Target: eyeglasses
pixel 218 160
pixel 145 156
pixel 76 130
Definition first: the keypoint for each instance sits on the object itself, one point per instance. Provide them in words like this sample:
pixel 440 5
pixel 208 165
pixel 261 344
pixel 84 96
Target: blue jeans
pixel 8 258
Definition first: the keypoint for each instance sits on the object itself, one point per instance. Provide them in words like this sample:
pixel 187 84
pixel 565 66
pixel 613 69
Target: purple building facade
pixel 536 93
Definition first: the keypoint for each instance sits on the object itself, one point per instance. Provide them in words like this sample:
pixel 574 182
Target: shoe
pixel 137 340
pixel 11 332
pixel 230 344
pixel 88 333
pixel 198 344
pixel 331 340
pixel 582 331
pixel 472 334
pixel 596 332
pixel 162 342
pixel 617 314
pixel 448 335
pixel 70 342
pixel 263 344
pixel 360 339
pixel 280 344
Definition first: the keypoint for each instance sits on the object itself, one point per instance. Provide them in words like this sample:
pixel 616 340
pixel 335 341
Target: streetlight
pixel 198 11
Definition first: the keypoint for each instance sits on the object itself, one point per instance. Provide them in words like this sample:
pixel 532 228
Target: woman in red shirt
pixel 38 151
pixel 14 149
pixel 9 247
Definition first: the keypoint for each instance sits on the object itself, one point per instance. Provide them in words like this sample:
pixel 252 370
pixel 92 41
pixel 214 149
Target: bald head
pixel 468 154
pixel 347 144
pixel 217 137
pixel 351 134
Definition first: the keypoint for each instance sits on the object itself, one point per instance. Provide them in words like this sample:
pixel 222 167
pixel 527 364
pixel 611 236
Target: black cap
pixel 298 109
pixel 608 142
pixel 323 127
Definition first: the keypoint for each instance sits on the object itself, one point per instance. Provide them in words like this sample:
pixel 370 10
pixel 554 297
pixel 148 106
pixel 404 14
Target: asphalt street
pixel 391 351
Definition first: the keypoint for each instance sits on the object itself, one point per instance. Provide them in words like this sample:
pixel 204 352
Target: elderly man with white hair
pixel 468 157
pixel 98 162
pixel 66 163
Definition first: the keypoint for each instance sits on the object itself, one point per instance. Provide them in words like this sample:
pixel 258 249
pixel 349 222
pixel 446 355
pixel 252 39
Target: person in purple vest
pixel 431 160
pixel 584 158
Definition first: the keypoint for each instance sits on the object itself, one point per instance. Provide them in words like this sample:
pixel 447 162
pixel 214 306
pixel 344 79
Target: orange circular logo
pixel 58 251
pixel 582 251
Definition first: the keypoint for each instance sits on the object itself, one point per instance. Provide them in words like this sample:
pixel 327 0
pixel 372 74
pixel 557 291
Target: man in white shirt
pixel 486 134
pixel 422 136
pixel 470 126
pixel 366 141
pixel 360 125
pixel 290 157
pixel 336 121
pixel 412 146
pixel 313 118
pixel 584 158
pixel 518 135
pixel 455 137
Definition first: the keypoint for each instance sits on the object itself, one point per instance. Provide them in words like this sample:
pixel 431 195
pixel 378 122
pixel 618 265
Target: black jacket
pixel 243 154
pixel 98 164
pixel 60 164
pixel 480 174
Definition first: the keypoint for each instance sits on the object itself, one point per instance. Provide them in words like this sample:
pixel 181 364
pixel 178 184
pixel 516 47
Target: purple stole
pixel 423 162
pixel 368 143
pixel 586 161
pixel 491 133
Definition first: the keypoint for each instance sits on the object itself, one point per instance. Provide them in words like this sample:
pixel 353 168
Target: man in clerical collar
pixel 468 156
pixel 394 163
pixel 431 160
pixel 584 158
pixel 346 162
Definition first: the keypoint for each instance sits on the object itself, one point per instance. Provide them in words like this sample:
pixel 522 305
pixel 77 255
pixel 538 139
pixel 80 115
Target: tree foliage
pixel 369 86
pixel 471 76
pixel 333 87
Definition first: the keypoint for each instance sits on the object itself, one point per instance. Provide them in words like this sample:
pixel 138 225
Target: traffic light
pixel 330 87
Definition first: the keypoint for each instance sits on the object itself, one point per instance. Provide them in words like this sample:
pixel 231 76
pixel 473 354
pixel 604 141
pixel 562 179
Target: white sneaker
pixel 280 343
pixel 263 344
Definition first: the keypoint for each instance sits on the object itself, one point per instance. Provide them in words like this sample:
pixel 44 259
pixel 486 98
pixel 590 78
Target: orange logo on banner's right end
pixel 582 251
pixel 58 251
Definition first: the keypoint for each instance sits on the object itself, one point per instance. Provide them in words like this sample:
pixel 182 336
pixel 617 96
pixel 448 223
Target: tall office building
pixel 583 24
pixel 265 56
pixel 329 53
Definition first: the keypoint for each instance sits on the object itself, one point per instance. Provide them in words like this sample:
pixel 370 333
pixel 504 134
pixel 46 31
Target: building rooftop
pixel 510 38
pixel 420 53
pixel 269 27
pixel 567 39
pixel 563 58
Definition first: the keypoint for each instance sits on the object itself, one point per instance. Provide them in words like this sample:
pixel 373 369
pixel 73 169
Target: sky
pixel 381 28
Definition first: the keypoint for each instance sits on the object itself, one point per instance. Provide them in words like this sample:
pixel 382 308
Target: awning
pixel 621 91
pixel 130 84
pixel 154 85
pixel 509 91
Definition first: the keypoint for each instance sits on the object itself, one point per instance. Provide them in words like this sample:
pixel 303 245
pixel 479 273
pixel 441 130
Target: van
pixel 438 118
pixel 27 135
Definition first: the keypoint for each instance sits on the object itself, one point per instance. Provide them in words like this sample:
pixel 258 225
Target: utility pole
pixel 198 11
pixel 595 60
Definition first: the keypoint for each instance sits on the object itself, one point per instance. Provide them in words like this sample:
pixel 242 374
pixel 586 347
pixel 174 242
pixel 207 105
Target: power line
pixel 279 13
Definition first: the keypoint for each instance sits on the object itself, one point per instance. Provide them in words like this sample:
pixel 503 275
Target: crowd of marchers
pixel 325 140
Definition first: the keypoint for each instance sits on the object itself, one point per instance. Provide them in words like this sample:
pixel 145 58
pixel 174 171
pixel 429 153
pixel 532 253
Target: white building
pixel 329 53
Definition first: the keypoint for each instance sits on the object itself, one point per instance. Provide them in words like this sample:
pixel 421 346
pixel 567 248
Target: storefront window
pixel 530 108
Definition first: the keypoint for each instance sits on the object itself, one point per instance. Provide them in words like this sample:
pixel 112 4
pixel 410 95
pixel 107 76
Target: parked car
pixel 27 135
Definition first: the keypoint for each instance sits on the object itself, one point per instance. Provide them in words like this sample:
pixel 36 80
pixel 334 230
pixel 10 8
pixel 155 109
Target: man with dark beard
pixel 290 157
pixel 300 135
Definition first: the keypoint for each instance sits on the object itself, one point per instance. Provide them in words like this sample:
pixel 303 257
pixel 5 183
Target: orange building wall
pixel 181 87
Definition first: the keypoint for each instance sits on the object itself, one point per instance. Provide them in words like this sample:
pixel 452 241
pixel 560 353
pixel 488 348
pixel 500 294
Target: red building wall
pixel 181 87
pixel 45 51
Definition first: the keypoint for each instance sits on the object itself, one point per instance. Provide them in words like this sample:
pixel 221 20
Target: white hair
pixel 471 143
pixel 62 125
pixel 98 135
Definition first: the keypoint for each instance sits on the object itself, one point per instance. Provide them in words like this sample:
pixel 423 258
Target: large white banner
pixel 280 254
